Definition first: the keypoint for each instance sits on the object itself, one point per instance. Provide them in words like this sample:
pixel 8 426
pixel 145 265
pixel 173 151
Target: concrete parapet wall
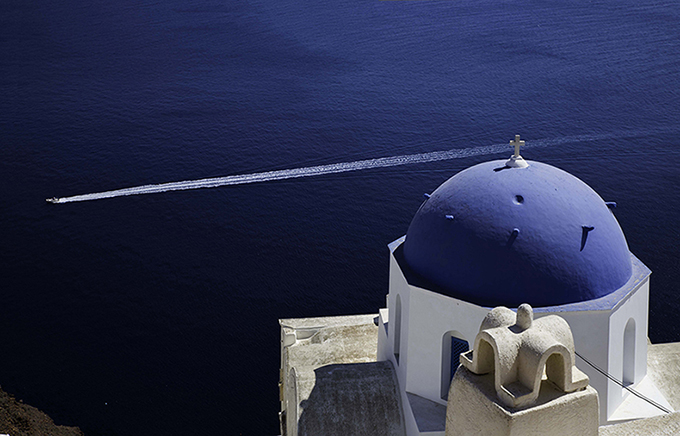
pixel 331 381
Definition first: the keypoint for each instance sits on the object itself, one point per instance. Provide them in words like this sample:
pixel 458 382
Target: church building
pixel 504 233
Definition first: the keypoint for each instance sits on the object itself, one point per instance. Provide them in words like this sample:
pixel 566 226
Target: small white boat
pixel 52 200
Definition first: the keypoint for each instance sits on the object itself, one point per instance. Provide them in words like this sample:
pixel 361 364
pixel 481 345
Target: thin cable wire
pixel 629 389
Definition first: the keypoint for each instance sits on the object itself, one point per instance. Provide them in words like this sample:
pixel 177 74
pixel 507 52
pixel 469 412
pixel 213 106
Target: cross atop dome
pixel 517 143
pixel 516 161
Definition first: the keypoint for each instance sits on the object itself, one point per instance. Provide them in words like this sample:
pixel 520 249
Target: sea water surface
pixel 157 314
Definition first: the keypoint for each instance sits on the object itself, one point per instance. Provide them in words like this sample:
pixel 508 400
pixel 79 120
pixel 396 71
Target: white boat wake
pixel 341 167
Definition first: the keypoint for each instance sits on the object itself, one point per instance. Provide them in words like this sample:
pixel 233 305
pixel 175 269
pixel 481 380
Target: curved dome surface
pixel 494 235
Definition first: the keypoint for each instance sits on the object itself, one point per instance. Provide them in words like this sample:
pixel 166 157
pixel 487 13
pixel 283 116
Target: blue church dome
pixel 495 235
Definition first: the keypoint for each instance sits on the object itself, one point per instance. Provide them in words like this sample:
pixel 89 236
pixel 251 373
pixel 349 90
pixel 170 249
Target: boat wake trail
pixel 342 167
pixel 269 176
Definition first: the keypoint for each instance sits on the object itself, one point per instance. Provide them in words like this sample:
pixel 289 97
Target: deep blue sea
pixel 157 314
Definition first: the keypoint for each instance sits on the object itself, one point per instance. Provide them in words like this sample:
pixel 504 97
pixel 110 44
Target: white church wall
pixel 635 307
pixel 590 330
pixel 432 316
pixel 599 337
pixel 425 317
pixel 383 325
pixel 399 324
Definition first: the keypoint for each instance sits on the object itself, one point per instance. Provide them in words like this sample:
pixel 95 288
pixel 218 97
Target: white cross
pixel 517 143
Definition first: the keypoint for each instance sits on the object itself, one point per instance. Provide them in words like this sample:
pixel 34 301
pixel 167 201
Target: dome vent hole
pixel 519 199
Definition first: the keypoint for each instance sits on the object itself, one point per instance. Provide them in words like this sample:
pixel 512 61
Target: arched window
pixel 397 328
pixel 453 344
pixel 629 353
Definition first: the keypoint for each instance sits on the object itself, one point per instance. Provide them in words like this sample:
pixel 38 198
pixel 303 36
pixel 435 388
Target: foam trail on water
pixel 269 176
pixel 341 167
